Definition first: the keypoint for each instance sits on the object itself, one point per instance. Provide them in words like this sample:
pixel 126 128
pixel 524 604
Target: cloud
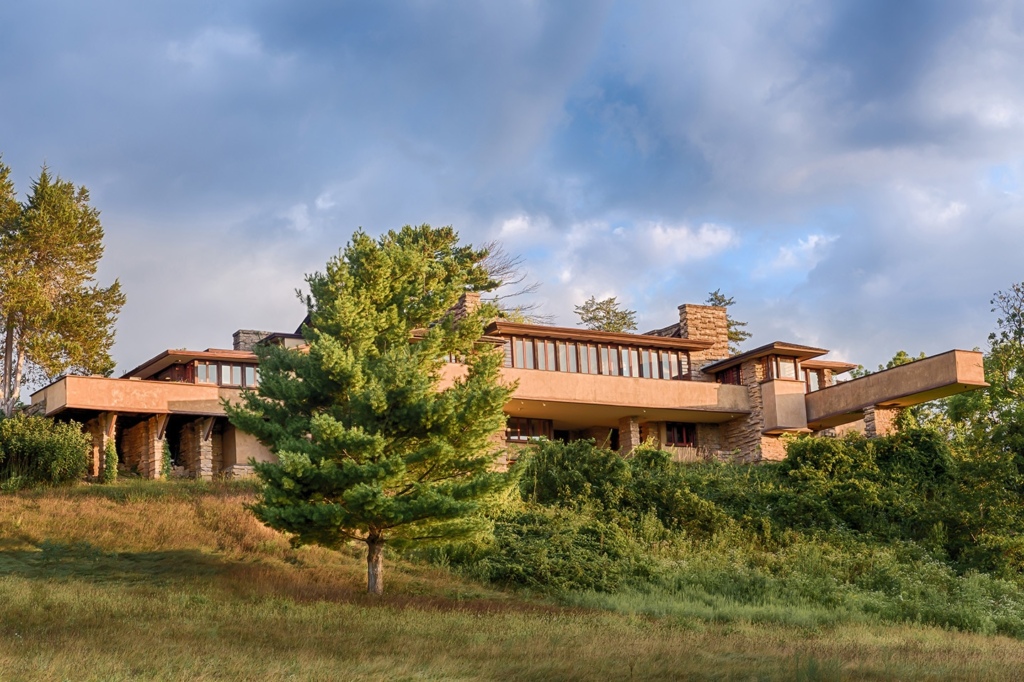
pixel 213 45
pixel 802 256
pixel 848 171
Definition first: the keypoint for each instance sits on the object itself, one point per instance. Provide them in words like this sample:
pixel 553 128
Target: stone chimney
pixel 468 302
pixel 245 339
pixel 704 323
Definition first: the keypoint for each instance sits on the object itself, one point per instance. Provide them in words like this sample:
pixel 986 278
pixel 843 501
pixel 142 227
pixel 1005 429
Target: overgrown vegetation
pixel 896 529
pixel 154 580
pixel 39 451
pixel 110 462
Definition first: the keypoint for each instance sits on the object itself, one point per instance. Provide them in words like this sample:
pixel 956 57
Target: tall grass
pixel 172 581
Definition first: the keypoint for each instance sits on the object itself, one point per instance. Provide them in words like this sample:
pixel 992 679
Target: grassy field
pixel 175 581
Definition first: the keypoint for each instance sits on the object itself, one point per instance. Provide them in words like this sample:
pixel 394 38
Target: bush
pixel 38 451
pixel 556 549
pixel 110 462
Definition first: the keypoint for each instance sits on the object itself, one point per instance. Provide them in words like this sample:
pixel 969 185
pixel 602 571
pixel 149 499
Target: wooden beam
pixel 208 427
pixel 108 422
pixel 161 425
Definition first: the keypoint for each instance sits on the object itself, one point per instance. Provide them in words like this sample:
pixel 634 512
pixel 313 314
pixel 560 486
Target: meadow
pixel 176 581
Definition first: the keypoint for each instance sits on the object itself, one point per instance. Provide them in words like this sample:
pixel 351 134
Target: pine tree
pixel 372 445
pixel 606 315
pixel 737 333
pixel 54 318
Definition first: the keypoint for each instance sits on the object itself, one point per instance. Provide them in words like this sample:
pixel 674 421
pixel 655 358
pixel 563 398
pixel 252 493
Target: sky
pixel 850 172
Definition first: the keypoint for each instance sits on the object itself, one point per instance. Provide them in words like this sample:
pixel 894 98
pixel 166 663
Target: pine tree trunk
pixel 6 388
pixel 375 565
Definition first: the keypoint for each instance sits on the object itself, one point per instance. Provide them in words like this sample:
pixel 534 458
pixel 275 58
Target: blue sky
pixel 848 171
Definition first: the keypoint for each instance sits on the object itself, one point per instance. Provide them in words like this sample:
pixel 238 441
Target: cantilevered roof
pixel 501 328
pixel 180 356
pixel 834 365
pixel 791 350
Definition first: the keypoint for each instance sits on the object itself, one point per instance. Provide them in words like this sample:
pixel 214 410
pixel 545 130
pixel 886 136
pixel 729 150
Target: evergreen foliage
pixel 110 462
pixel 37 451
pixel 372 446
pixel 606 315
pixel 54 318
pixel 737 332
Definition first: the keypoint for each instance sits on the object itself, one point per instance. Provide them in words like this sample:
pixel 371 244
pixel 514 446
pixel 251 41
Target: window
pixel 250 376
pixel 583 358
pixel 812 377
pixel 729 376
pixel 776 367
pixel 230 375
pixel 522 429
pixel 679 434
pixel 645 364
pixel 206 373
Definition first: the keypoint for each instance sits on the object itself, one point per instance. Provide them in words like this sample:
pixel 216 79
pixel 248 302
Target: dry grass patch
pixel 178 582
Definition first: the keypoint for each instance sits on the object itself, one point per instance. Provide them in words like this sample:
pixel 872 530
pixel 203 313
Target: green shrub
pixel 166 462
pixel 37 450
pixel 110 462
pixel 559 550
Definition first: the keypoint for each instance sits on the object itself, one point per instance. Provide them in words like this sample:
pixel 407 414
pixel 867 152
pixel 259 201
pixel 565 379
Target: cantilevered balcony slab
pixel 129 396
pixel 938 376
pixel 582 400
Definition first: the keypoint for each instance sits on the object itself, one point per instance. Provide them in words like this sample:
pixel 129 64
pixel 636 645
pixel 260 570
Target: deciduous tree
pixel 606 315
pixel 54 317
pixel 373 443
pixel 995 416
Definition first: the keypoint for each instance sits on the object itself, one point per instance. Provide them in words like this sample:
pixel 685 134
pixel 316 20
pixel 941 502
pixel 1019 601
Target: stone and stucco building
pixel 677 387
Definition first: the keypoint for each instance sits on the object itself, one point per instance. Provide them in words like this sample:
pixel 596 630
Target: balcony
pixel 583 400
pixel 127 396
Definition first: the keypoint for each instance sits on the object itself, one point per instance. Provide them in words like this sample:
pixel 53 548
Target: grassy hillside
pixel 148 580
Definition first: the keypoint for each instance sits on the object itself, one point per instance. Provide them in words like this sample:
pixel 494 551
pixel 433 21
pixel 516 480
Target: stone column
pixel 101 429
pixel 880 421
pixel 629 435
pixel 197 450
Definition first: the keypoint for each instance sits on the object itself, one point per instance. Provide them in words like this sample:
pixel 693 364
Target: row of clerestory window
pixel 594 358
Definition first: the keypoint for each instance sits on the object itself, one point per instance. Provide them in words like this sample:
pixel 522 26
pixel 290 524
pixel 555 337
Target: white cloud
pixel 213 45
pixel 803 256
pixel 681 243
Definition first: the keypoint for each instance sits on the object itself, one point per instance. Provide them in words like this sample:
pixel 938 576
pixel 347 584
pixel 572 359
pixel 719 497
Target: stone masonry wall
pixel 468 302
pixel 142 450
pixel 704 323
pixel 629 435
pixel 245 339
pixel 197 453
pixel 880 421
pixel 743 436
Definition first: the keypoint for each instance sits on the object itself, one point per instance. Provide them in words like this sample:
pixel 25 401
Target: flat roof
pixel 181 355
pixel 834 365
pixel 792 350
pixel 502 328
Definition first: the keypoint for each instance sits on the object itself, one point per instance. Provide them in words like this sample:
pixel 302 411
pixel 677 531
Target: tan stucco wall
pixel 934 377
pixel 625 391
pixel 129 395
pixel 240 447
pixel 784 406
